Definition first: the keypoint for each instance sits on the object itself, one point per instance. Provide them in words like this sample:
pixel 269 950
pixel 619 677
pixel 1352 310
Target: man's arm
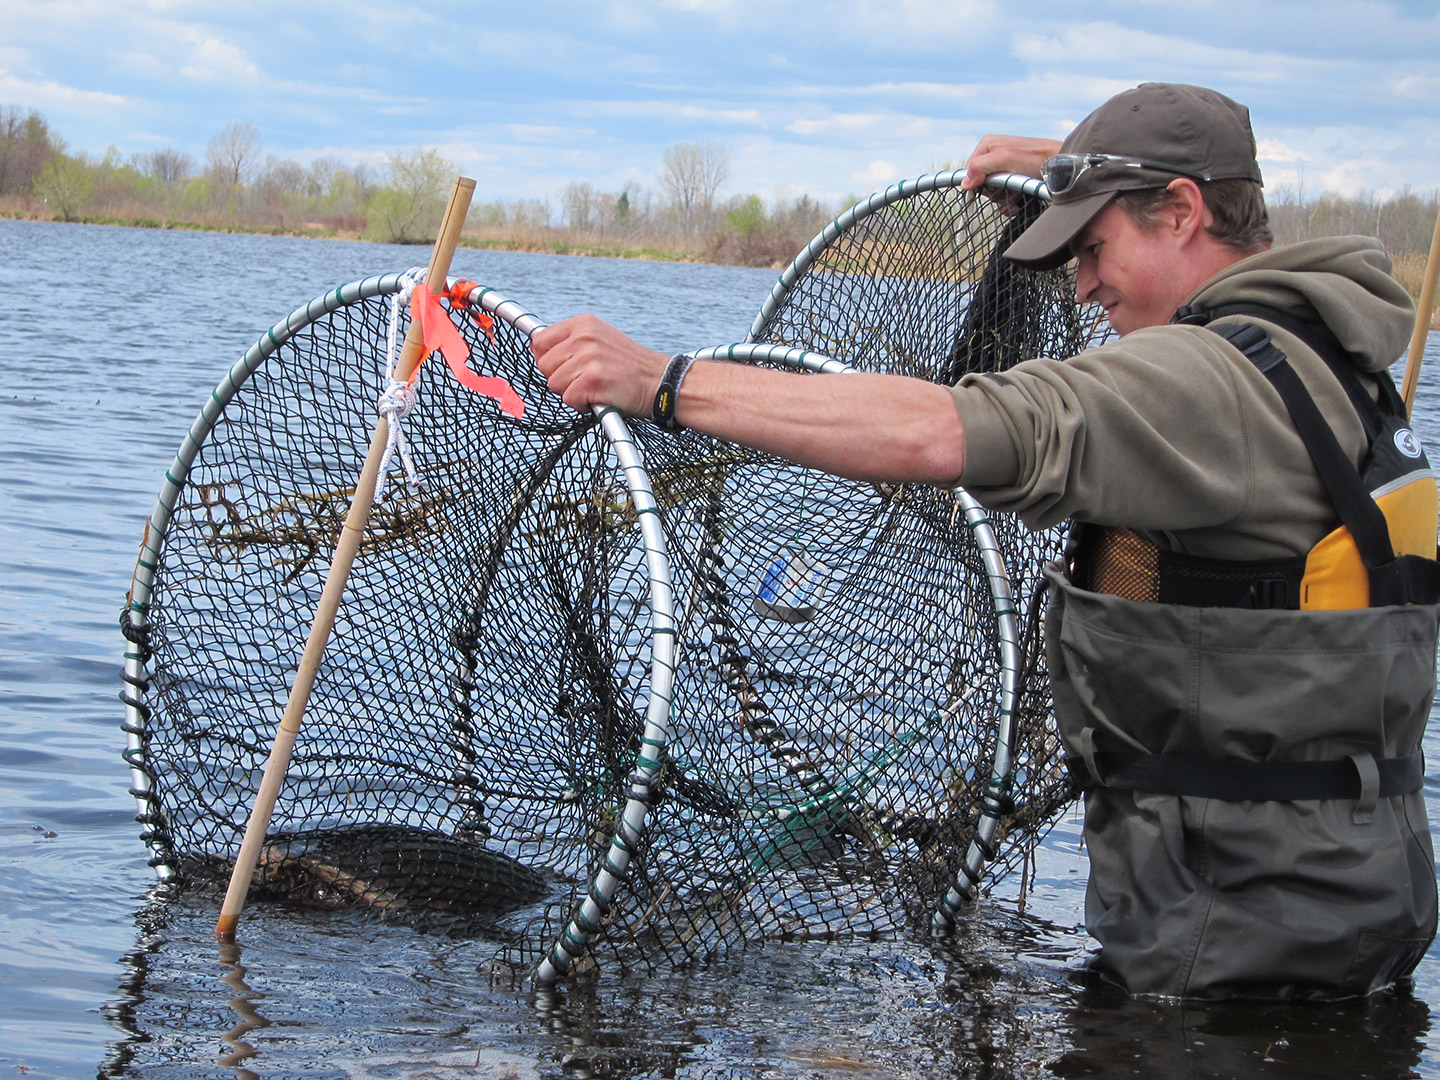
pixel 864 426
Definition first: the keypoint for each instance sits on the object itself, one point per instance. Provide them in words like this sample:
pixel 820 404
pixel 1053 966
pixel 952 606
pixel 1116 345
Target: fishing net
pixel 599 693
pixel 912 280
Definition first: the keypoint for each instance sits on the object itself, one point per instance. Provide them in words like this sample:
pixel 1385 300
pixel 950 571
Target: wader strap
pixel 1360 776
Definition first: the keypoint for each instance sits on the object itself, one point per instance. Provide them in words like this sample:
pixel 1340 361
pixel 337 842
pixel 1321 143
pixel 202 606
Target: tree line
pixel 239 185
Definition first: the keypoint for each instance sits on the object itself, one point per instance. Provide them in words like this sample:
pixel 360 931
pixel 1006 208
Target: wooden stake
pixel 1422 322
pixel 348 544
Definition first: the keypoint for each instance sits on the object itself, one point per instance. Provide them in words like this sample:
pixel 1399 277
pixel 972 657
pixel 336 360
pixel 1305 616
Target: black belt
pixel 1359 776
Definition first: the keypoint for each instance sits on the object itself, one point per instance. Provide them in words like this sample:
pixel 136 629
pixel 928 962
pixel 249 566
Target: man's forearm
pixel 864 426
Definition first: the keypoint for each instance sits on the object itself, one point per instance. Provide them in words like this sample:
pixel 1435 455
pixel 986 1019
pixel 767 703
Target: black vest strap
pixel 1337 472
pixel 1327 346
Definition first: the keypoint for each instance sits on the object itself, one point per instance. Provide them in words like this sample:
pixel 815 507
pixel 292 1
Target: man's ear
pixel 1186 213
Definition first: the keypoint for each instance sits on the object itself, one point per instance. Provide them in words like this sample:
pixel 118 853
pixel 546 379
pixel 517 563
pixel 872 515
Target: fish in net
pixel 601 693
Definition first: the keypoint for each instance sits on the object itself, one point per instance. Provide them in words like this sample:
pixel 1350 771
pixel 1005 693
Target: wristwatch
pixel 663 411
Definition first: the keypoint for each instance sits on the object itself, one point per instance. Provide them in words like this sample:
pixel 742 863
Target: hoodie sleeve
pixel 1151 432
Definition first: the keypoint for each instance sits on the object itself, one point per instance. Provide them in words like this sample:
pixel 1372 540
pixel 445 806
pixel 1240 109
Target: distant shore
pixel 519 240
pixel 1409 267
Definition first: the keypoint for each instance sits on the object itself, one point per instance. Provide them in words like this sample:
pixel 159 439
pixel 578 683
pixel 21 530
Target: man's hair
pixel 1241 222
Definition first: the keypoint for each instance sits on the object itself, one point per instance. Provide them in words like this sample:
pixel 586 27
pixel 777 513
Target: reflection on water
pixel 1005 997
pixel 244 1005
pixel 1381 1037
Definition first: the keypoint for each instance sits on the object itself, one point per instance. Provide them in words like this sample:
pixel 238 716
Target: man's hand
pixel 589 362
pixel 1006 154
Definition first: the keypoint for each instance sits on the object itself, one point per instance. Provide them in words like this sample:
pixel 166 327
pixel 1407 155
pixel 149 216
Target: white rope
pixel 398 397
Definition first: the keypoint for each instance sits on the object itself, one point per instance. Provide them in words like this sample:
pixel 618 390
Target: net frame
pixel 584 926
pixel 824 241
pixel 999 786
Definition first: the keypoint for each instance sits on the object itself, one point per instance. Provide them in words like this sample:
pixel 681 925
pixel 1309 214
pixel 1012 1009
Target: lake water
pixel 109 341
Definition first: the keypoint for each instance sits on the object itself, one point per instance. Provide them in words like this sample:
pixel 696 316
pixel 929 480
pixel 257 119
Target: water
pixel 110 339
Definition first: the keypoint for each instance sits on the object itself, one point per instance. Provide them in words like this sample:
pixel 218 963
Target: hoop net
pixel 599 693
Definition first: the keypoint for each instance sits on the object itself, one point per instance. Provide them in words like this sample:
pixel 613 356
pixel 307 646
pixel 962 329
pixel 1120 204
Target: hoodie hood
pixel 1342 281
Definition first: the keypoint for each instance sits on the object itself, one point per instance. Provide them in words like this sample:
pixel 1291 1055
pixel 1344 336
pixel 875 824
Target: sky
pixel 827 98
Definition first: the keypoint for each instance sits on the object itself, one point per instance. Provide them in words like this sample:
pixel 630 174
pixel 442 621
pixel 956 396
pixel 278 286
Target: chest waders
pixel 1247 734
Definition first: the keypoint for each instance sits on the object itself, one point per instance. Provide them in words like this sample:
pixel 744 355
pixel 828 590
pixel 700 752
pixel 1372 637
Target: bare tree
pixel 691 174
pixel 322 173
pixel 233 155
pixel 26 144
pixel 288 176
pixel 578 203
pixel 169 167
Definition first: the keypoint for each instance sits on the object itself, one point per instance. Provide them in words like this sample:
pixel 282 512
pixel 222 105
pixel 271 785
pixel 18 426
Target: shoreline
pixel 317 231
pixel 1414 265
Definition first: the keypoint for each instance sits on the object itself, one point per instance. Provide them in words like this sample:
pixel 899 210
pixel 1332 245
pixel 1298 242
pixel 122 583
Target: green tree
pixel 64 183
pixel 747 216
pixel 410 203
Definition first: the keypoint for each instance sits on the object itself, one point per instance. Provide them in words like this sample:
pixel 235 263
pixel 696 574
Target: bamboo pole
pixel 411 355
pixel 1422 321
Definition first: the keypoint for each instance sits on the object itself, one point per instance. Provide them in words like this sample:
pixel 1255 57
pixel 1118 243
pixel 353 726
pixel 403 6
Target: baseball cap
pixel 1165 130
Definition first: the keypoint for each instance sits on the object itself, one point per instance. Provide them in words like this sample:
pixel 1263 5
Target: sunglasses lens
pixel 1060 174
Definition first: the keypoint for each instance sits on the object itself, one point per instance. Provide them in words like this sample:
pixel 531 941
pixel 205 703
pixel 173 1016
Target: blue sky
pixel 830 98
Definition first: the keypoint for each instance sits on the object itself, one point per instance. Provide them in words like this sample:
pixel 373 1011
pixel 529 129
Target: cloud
pixel 1275 150
pixel 877 175
pixel 44 94
pixel 672 110
pixel 835 123
pixel 212 59
pixel 1422 87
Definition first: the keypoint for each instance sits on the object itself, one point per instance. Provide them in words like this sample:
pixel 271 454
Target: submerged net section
pixel 912 281
pixel 477 735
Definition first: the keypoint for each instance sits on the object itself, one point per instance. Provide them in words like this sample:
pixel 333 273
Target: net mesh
pixel 479 719
pixel 917 285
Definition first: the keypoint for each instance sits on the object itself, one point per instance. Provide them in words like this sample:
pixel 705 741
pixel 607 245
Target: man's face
pixel 1129 272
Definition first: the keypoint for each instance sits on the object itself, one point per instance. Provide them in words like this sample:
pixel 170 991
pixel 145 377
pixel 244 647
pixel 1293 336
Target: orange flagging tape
pixel 459 296
pixel 440 336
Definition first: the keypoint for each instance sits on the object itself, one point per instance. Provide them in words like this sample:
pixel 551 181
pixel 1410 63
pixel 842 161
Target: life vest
pixel 1383 552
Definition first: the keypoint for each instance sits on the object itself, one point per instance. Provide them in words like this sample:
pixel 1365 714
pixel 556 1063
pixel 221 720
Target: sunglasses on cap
pixel 1062 170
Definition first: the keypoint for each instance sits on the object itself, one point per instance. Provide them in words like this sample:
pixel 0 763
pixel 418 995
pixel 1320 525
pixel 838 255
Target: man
pixel 1242 658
